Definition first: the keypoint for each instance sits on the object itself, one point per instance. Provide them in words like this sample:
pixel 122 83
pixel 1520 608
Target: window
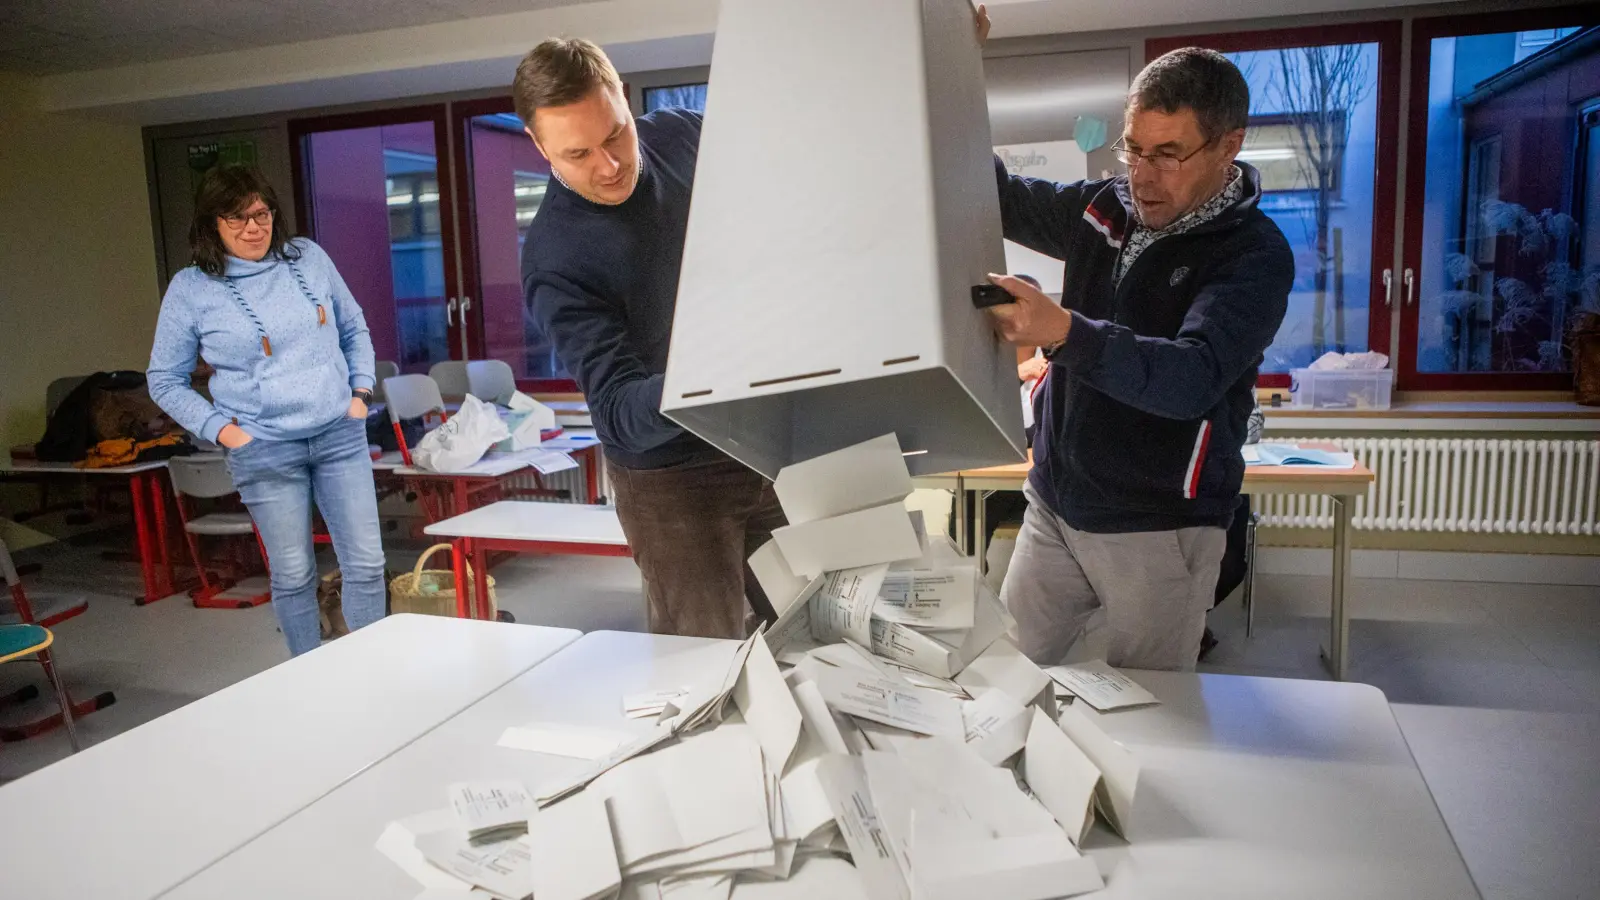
pixel 684 96
pixel 1503 161
pixel 1279 147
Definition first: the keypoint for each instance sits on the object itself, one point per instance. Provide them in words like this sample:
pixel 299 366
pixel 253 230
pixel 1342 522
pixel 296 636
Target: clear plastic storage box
pixel 1341 389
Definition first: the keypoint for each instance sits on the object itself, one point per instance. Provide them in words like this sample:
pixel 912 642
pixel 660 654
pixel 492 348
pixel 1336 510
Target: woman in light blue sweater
pixel 294 373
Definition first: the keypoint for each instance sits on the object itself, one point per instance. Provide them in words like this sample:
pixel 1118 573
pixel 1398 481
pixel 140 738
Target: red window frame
pixel 1387 35
pixel 1423 32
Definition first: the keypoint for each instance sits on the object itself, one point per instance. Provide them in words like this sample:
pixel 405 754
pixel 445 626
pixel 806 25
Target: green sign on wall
pixel 204 157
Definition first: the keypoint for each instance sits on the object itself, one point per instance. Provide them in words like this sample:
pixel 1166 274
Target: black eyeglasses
pixel 1164 162
pixel 237 222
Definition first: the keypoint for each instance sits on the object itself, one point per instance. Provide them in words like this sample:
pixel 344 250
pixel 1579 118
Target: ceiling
pixel 50 37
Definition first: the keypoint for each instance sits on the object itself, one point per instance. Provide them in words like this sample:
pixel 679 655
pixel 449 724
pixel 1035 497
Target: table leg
pixel 591 475
pixel 158 499
pixel 961 517
pixel 459 485
pixel 138 495
pixel 458 566
pixel 1337 654
pixel 480 581
pixel 980 529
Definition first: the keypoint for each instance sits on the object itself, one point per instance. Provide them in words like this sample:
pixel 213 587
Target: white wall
pixel 77 260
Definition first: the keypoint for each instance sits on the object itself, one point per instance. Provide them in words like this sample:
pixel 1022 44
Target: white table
pixel 326 850
pixel 1251 787
pixel 522 526
pixel 138 814
pixel 148 499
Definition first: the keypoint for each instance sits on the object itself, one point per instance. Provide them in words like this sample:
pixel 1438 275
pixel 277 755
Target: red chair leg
pixel 36 727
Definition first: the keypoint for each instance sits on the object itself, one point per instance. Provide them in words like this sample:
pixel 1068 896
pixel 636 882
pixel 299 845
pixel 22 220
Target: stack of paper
pixel 855 565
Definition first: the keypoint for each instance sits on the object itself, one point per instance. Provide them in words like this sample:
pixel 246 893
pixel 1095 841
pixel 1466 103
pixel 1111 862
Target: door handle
pixel 466 304
pixel 1411 283
pixel 1388 287
pixel 450 312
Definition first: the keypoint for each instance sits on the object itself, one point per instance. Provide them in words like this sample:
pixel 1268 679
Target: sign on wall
pixel 204 157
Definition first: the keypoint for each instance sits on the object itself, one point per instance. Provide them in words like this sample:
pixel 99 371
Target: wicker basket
pixel 431 592
pixel 1584 341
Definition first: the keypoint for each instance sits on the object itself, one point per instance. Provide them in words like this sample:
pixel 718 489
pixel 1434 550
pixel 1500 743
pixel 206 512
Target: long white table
pixel 1251 787
pixel 137 814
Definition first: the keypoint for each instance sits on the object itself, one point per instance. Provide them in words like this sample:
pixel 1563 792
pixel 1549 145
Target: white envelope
pixel 1064 779
pixel 891 702
pixel 915 649
pixel 764 698
pixel 878 534
pixel 929 598
pixel 1101 686
pixel 842 608
pixel 1119 769
pixel 784 589
pixel 871 473
pixel 1003 667
pixel 573 854
pixel 997 726
pixel 562 739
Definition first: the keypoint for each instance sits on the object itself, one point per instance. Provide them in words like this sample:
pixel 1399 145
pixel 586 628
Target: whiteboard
pixel 1059 161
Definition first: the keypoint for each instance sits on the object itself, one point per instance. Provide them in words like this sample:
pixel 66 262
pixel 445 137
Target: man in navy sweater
pixel 1176 284
pixel 600 275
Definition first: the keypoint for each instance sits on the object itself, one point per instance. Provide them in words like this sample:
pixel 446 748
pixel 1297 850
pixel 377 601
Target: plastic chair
pixel 383 371
pixel 207 478
pixel 31 639
pixel 451 377
pixel 491 380
pixel 411 397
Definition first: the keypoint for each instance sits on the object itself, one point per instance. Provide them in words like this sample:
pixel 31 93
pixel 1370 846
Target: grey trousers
pixel 1155 587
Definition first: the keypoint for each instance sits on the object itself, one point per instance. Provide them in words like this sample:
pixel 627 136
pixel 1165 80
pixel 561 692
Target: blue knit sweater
pixel 319 341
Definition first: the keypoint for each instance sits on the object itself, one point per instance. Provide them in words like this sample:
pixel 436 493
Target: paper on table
pixel 505 868
pixel 561 739
pixel 697 887
pixel 844 780
pixel 1294 455
pixel 997 726
pixel 848 654
pixel 1119 769
pixel 764 698
pixel 1039 866
pixel 651 703
pixel 886 738
pixel 549 462
pixel 805 803
pixel 914 649
pixel 820 733
pixel 399 844
pixel 574 857
pixel 941 598
pixel 870 473
pixel 492 808
pixel 842 607
pixel 1101 686
pixel 1061 775
pixel 559 788
pixel 465 892
pixel 1003 667
pixel 706 702
pixel 784 589
pixel 890 703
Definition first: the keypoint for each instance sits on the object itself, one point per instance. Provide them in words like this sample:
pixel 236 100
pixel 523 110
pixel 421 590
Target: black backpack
pixel 70 432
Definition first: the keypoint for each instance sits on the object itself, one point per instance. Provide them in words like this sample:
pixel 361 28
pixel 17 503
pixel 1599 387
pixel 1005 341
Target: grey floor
pixel 1496 687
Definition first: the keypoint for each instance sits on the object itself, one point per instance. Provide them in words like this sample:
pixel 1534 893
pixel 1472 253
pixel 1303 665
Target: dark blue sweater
pixel 1141 418
pixel 602 281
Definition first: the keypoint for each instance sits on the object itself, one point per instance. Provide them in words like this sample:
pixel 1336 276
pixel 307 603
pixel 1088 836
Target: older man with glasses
pixel 1176 284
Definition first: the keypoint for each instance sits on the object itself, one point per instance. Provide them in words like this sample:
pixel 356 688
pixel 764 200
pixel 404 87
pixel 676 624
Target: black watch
pixel 364 393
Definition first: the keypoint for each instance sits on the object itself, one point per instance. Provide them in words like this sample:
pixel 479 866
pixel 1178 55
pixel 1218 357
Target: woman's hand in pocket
pixel 233 437
pixel 358 409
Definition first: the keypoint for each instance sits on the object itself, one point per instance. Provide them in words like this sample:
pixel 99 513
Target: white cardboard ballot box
pixel 844 208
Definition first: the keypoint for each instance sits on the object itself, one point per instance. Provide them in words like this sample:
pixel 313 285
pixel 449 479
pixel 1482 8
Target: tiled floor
pixel 1496 687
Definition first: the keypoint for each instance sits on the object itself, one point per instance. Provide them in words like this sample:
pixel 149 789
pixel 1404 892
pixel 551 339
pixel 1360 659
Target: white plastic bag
pixel 462 440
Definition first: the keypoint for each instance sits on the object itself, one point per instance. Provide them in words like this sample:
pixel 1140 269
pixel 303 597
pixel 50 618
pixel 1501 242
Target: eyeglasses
pixel 262 218
pixel 1164 162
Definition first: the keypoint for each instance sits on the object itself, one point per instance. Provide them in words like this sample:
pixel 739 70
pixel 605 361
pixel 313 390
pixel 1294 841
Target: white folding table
pixel 522 526
pixel 135 815
pixel 1251 787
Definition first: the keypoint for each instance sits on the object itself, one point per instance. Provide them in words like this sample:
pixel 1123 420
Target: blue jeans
pixel 278 481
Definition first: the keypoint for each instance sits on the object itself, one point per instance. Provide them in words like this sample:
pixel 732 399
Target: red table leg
pixel 480 580
pixel 158 497
pixel 460 489
pixel 139 495
pixel 458 566
pixel 591 474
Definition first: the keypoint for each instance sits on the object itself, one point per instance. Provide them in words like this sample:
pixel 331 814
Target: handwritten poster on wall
pixel 1059 161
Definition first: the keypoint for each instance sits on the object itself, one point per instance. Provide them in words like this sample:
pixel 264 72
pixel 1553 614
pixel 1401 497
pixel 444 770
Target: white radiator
pixel 1463 485
pixel 572 481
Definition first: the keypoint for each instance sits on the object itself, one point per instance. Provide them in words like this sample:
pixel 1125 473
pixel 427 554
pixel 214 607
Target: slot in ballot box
pixel 844 208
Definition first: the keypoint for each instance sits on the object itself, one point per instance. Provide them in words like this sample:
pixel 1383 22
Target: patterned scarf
pixel 1141 237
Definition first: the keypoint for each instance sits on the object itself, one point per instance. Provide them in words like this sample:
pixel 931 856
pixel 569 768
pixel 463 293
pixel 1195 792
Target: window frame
pixel 1387 35
pixel 1424 30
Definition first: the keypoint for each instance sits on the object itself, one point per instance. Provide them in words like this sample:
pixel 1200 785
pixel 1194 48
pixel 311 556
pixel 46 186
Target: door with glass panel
pixel 1503 198
pixel 1324 117
pixel 373 194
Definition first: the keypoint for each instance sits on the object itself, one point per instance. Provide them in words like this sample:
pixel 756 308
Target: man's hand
pixel 1032 369
pixel 982 21
pixel 358 409
pixel 1034 320
pixel 233 437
